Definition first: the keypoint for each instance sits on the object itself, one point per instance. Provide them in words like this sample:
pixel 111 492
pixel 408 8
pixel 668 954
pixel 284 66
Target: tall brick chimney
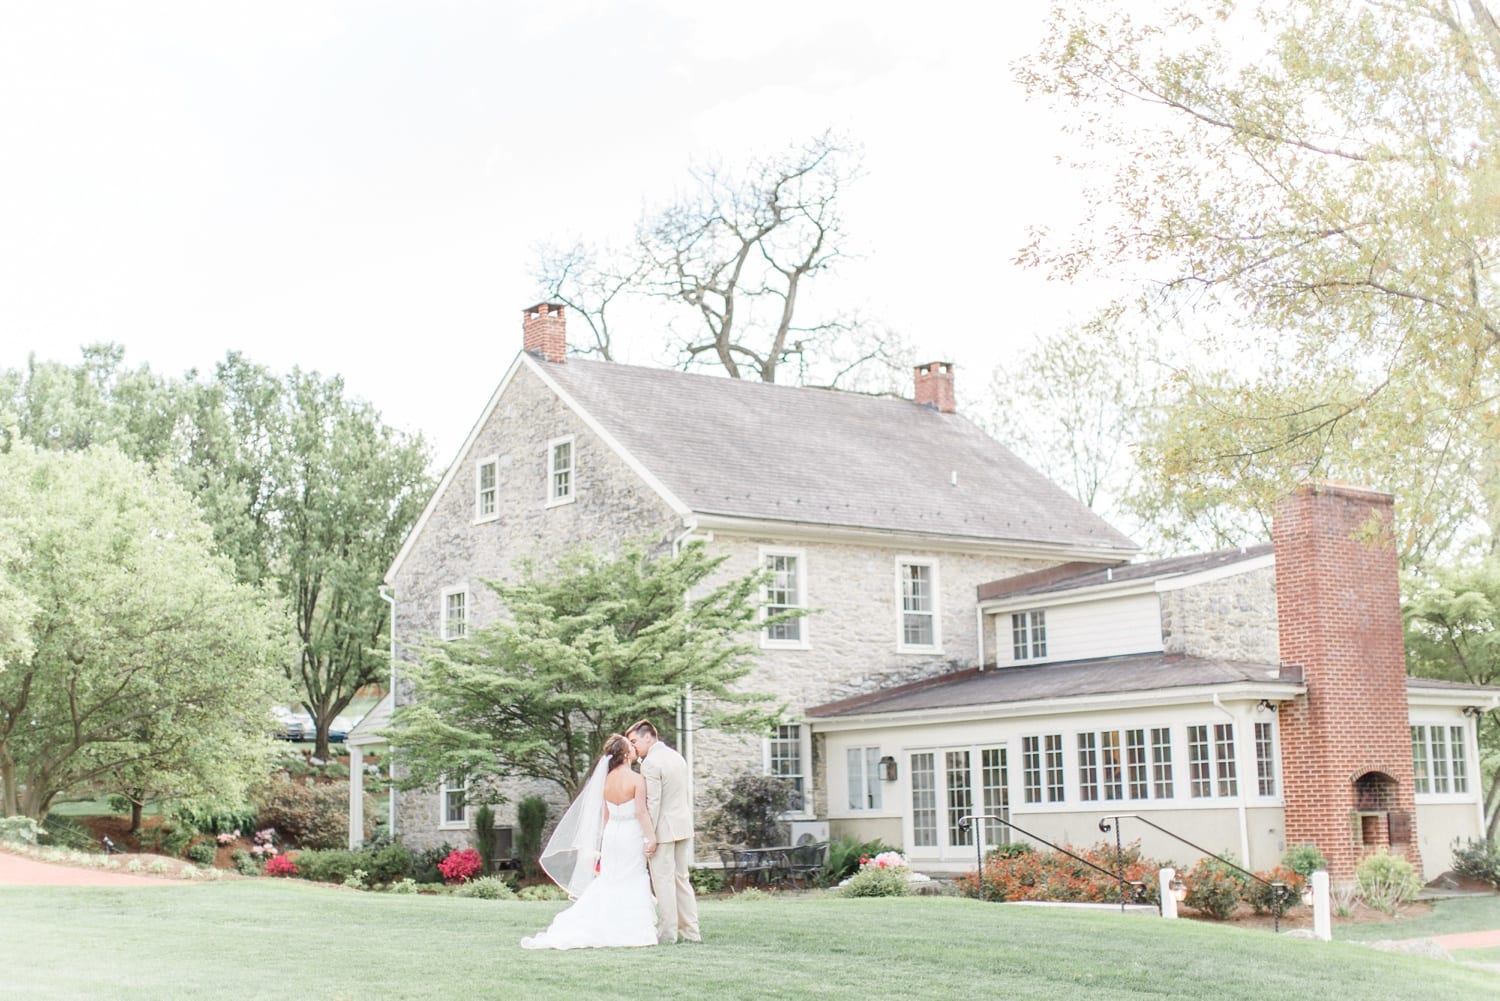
pixel 934 385
pixel 1346 747
pixel 544 332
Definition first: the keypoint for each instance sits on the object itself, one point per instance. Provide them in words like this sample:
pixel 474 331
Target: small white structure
pixel 365 734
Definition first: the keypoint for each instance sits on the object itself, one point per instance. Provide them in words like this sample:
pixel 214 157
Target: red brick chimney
pixel 1346 747
pixel 544 332
pixel 935 385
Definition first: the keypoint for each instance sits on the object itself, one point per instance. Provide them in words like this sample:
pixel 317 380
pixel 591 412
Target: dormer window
pixel 1028 635
pixel 560 471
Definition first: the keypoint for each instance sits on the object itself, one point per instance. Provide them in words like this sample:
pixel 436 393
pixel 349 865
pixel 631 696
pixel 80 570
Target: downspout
pixel 1240 780
pixel 1479 771
pixel 979 638
pixel 390 764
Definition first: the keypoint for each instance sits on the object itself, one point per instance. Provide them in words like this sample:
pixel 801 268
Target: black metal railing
pixel 1137 889
pixel 1279 890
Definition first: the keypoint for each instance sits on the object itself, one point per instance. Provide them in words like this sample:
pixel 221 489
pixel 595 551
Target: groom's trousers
pixel 676 904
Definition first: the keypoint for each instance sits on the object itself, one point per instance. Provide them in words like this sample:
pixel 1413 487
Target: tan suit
pixel 671 810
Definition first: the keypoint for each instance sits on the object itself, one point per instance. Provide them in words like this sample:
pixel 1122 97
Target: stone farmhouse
pixel 977 640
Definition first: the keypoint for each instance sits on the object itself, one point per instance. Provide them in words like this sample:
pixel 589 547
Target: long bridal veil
pixel 573 849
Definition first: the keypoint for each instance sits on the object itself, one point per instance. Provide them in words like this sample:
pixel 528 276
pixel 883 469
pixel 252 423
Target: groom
pixel 669 845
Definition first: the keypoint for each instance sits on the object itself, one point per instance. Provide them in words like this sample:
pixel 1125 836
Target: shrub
pixel 1478 861
pixel 484 836
pixel 749 810
pixel 1304 860
pixel 844 855
pixel 389 862
pixel 531 817
pixel 424 866
pixel 309 816
pixel 281 865
pixel 158 866
pixel 356 880
pixel 486 888
pixel 216 818
pixel 1215 889
pixel 333 866
pixel 707 880
pixel 65 832
pixel 874 881
pixel 460 866
pixel 202 852
pixel 166 838
pixel 1262 898
pixel 1016 874
pixel 751 894
pixel 244 864
pixel 404 886
pixel 548 891
pixel 1386 881
pixel 19 830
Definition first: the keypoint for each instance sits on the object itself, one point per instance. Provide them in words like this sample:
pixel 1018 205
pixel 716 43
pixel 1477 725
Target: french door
pixel 946 784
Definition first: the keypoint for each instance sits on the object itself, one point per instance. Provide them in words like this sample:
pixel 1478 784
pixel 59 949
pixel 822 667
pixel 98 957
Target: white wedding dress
pixel 616 908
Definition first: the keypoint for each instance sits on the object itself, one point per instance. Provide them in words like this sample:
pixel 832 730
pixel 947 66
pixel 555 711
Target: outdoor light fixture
pixel 1266 705
pixel 1179 890
pixel 888 768
pixel 1473 711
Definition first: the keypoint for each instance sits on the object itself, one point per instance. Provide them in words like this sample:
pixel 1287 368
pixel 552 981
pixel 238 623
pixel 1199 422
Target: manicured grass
pixel 1448 917
pixel 285 939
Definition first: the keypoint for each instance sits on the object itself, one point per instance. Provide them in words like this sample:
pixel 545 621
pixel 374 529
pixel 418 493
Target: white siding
pixel 1104 628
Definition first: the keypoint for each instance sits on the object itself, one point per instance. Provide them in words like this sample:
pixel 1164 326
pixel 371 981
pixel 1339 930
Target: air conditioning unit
pixel 805 832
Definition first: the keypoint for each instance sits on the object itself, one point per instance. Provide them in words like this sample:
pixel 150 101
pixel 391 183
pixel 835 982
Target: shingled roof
pixel 753 450
pixel 1073 577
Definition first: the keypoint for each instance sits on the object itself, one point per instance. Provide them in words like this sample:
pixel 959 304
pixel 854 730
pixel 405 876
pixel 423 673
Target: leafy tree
pixel 588 649
pixel 1453 632
pixel 1315 182
pixel 734 258
pixel 142 658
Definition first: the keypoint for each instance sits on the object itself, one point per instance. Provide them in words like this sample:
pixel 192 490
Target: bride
pixel 598 854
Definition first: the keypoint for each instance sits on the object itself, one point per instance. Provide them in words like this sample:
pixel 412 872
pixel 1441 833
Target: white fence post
pixel 1168 902
pixel 1322 912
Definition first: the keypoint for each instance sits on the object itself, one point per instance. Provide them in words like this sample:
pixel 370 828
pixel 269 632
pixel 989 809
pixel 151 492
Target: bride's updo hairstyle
pixel 617 748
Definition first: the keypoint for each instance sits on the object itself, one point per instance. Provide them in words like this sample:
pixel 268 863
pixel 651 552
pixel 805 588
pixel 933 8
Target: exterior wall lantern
pixel 888 768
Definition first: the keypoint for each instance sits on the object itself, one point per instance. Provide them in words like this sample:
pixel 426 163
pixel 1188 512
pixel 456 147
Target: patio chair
pixel 806 862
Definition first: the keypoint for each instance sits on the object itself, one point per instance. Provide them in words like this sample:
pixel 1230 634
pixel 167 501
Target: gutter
pixel 1242 781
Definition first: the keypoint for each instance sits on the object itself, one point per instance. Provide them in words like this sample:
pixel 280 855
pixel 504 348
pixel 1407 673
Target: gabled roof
pixel 1099 676
pixel 1050 582
pixel 764 452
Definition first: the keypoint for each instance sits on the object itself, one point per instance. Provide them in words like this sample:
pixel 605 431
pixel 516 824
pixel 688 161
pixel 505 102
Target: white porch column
pixel 356 796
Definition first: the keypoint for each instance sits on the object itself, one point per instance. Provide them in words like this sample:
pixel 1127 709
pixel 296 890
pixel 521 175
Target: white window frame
pixel 443 621
pixel 493 463
pixel 935 582
pixel 946 799
pixel 804 762
pixel 862 772
pixel 1461 752
pixel 445 789
pixel 1267 765
pixel 1033 624
pixel 767 642
pixel 553 500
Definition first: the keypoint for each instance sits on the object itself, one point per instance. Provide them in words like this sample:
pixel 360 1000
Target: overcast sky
pixel 356 187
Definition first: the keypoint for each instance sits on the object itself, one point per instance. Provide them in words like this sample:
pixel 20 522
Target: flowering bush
pixel 461 866
pixel 885 860
pixel 1214 889
pixel 264 843
pixel 281 865
pixel 229 837
pixel 1048 875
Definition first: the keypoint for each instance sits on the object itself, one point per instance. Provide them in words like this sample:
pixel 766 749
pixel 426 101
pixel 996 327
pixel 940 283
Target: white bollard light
pixel 1322 912
pixel 1167 877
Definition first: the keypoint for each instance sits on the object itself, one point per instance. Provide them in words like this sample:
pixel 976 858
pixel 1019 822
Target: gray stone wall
pixel 1232 617
pixel 453 550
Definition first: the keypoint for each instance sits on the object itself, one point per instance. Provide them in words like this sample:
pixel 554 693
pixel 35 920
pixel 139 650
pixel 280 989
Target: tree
pixel 1316 182
pixel 141 655
pixel 737 253
pixel 587 650
pixel 1453 632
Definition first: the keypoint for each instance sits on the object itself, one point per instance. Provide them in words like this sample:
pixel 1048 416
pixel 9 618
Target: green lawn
pixel 1448 917
pixel 286 939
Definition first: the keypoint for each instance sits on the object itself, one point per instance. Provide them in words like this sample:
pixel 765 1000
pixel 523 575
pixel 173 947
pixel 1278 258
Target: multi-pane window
pixel 1028 635
pixel 1161 762
pixel 995 788
pixel 960 796
pixel 1111 775
pixel 1031 769
pixel 455 804
pixel 1200 772
pixel 1438 757
pixel 560 471
pixel 924 813
pixel 864 778
pixel 786 760
pixel 1265 760
pixel 783 593
pixel 455 614
pixel 1135 763
pixel 486 480
pixel 1088 767
pixel 1052 744
pixel 918 605
pixel 1224 759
